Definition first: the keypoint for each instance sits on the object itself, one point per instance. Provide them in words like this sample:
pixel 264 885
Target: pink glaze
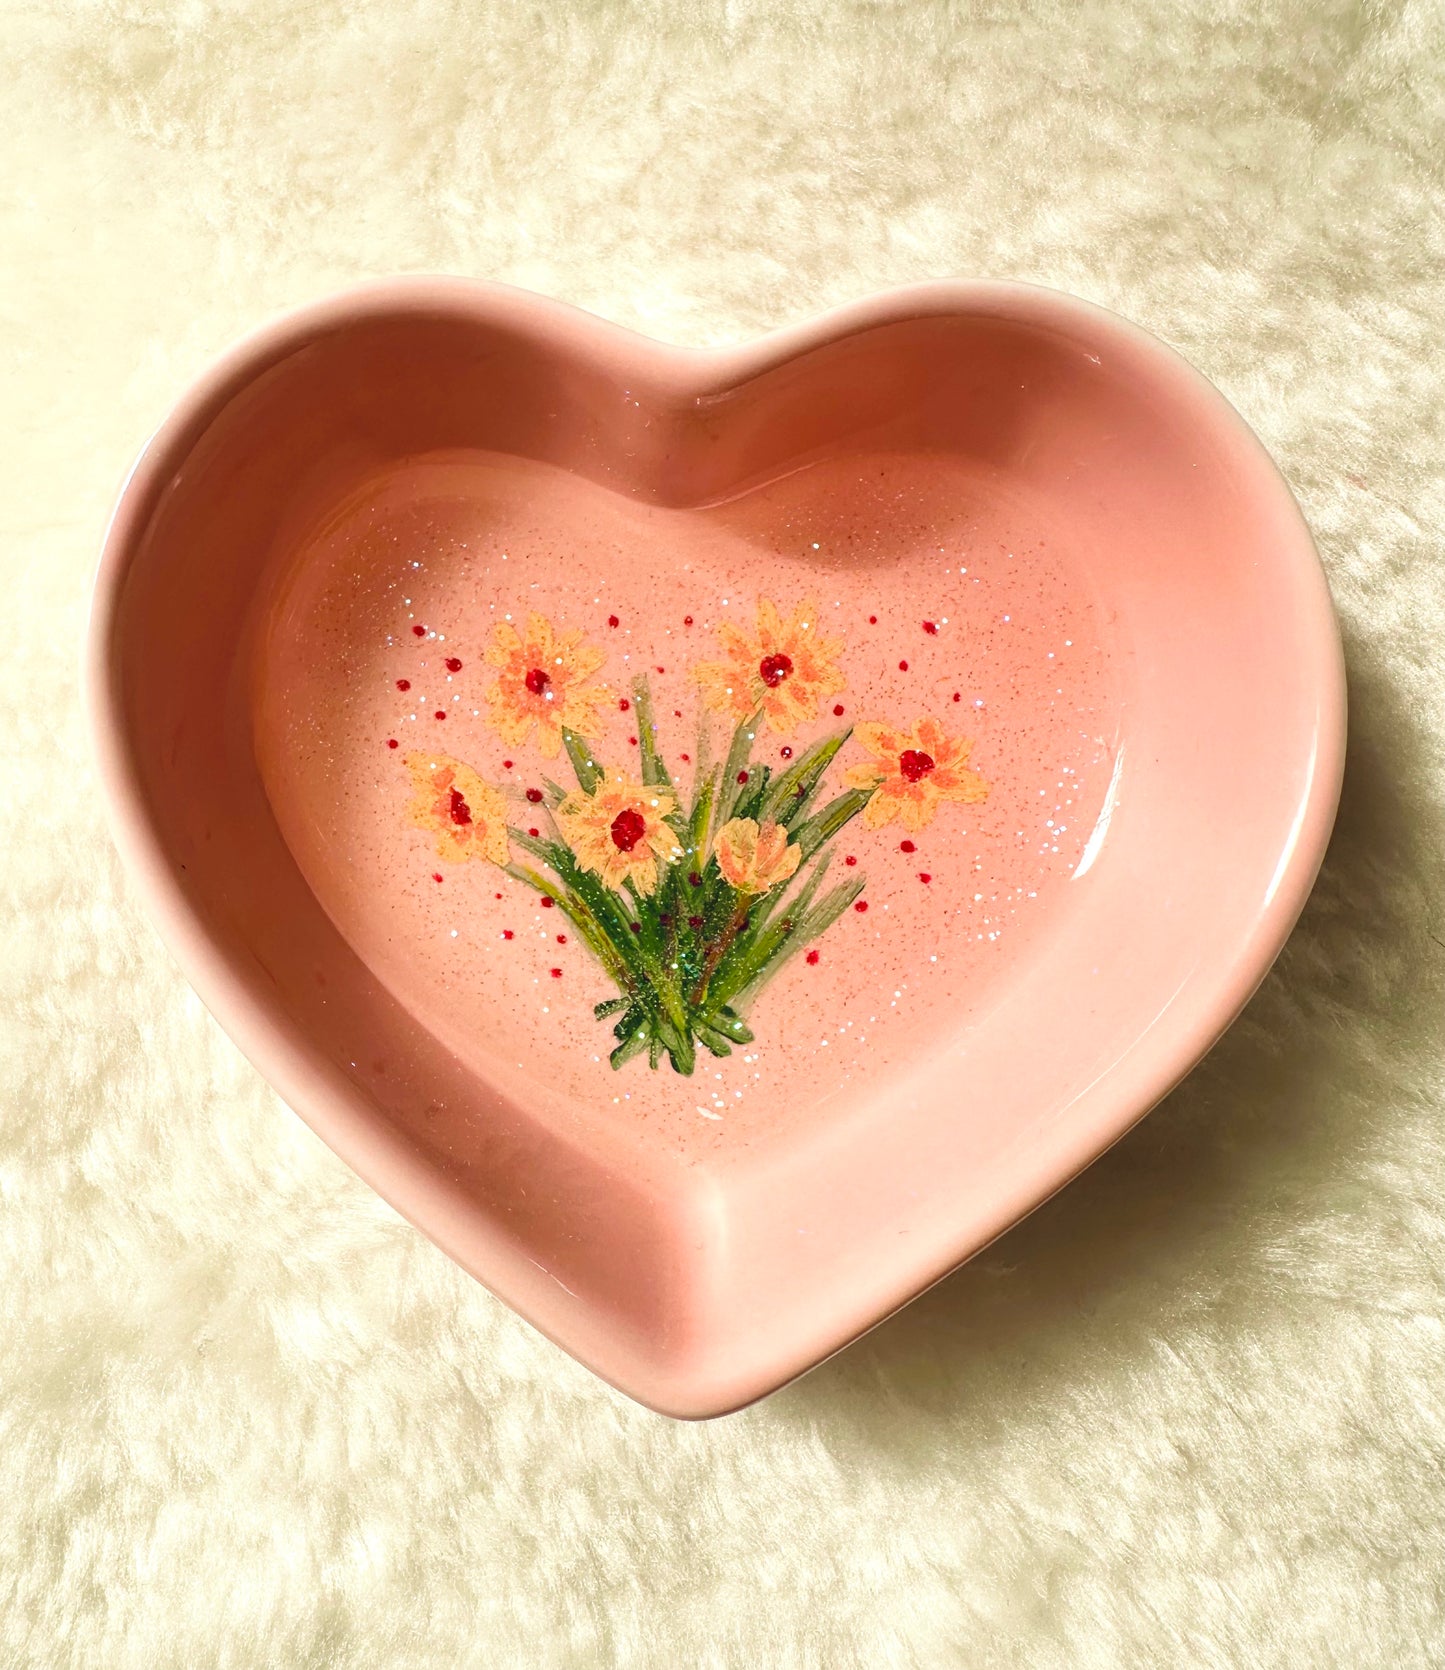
pixel 1018 514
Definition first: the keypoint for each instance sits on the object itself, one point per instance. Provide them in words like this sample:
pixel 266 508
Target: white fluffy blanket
pixel 1190 1414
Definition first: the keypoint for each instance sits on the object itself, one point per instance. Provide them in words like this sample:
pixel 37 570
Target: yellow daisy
pixel 782 667
pixel 912 771
pixel 542 680
pixel 755 858
pixel 467 816
pixel 617 832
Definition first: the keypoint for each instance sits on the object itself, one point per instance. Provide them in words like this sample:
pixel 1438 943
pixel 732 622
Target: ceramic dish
pixel 714 838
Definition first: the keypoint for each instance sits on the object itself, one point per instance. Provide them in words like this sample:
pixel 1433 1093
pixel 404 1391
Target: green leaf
pixel 590 906
pixel 579 751
pixel 711 1040
pixel 738 756
pixel 784 802
pixel 824 825
pixel 792 927
pixel 653 770
pixel 635 1042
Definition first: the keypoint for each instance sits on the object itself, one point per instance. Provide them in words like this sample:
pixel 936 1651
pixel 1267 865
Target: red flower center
pixel 458 810
pixel 627 830
pixel 773 669
pixel 914 765
pixel 537 681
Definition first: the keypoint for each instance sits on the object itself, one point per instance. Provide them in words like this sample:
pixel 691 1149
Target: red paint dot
pixel 902 666
pixel 506 933
pixel 695 879
pixel 924 877
pixel 773 669
pixel 535 796
pixel 635 926
pixel 812 958
pixel 662 669
pixel 436 875
pixel 623 705
pixel 861 906
pixel 420 631
pixel 546 901
pixel 561 939
pixel 453 665
pixel 506 765
pixel 914 764
pixel 694 921
pixel 391 742
pixel 957 697
pixel 556 973
pixel 496 895
pixel 742 777
pixel 838 710
pixel 632 741
pixel 403 684
pixel 687 759
pixel 872 620
pixel 677 713
pixel 850 859
pixel 537 681
pixel 457 808
pixel 930 628
pixel 439 714
pixel 534 833
pixel 612 620
pixel 787 753
pixel 628 828
pixel 687 620
pixel 907 846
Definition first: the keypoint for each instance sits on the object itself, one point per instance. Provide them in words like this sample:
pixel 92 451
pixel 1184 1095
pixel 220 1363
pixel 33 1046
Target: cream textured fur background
pixel 1193 1412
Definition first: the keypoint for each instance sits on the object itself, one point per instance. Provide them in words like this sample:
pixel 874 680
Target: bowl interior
pixel 1015 519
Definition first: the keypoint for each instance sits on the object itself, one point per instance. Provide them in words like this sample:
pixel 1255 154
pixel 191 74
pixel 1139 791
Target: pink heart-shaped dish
pixel 714 838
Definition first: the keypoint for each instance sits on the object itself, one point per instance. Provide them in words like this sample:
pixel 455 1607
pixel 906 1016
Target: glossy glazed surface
pixel 989 493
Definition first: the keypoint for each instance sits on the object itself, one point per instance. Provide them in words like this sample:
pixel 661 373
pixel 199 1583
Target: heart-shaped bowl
pixel 714 838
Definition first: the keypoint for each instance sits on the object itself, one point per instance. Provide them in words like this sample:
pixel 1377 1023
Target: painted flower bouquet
pixel 691 902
